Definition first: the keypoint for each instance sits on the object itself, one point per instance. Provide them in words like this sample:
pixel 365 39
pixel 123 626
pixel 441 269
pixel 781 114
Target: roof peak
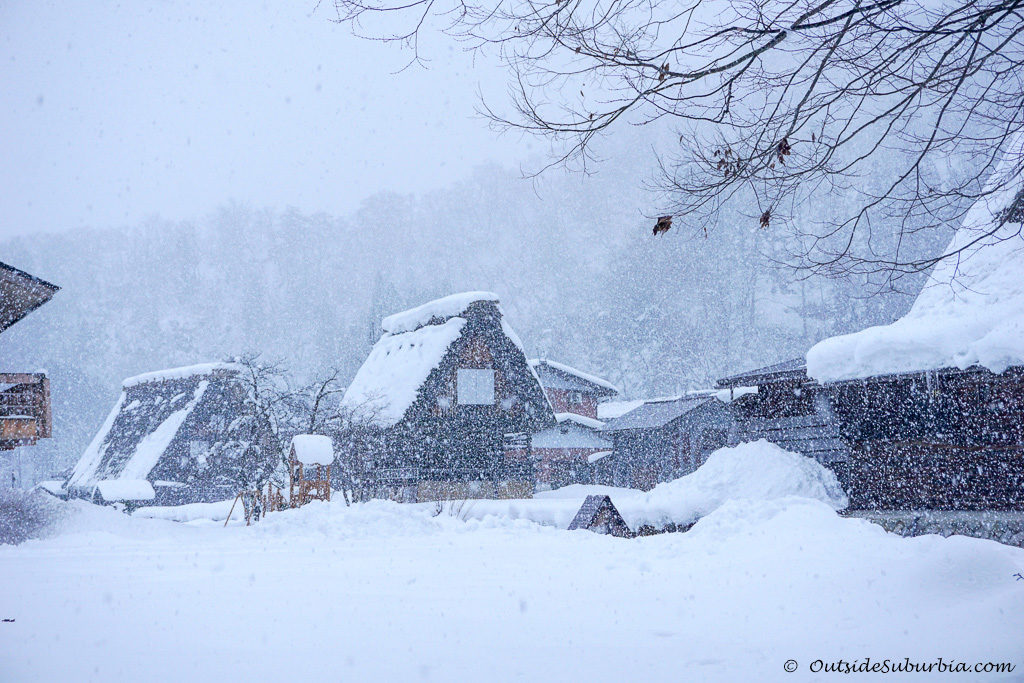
pixel 183 372
pixel 436 311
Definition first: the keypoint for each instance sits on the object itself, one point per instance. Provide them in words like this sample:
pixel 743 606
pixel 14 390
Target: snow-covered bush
pixel 25 515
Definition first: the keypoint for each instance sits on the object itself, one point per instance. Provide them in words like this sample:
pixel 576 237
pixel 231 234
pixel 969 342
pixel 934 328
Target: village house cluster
pixel 920 420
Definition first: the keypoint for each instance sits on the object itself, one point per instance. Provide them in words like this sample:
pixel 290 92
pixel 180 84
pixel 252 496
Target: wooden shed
pixel 309 468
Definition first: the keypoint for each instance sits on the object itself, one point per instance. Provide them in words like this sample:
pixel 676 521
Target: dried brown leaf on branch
pixel 663 224
pixel 784 150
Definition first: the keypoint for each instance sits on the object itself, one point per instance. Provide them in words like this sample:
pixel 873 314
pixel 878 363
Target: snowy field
pixel 386 592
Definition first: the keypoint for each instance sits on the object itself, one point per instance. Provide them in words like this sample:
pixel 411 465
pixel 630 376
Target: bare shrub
pixel 25 515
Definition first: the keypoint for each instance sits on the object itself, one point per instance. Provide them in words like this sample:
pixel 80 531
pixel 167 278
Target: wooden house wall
pixel 951 440
pixel 587 406
pixel 559 467
pixel 797 416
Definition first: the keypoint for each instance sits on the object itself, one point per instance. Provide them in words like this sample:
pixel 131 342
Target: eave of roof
pixel 795 368
pixel 657 413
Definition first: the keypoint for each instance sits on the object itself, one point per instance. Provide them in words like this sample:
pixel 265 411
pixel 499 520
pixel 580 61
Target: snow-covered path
pixel 385 592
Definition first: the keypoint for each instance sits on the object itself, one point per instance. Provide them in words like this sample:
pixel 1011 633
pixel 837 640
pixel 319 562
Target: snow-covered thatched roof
pixel 389 380
pixel 414 343
pixel 434 311
pixel 142 424
pixel 971 310
pixel 548 368
pixel 183 372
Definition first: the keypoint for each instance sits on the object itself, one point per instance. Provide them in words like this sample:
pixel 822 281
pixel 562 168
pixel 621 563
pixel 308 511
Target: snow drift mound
pixel 758 470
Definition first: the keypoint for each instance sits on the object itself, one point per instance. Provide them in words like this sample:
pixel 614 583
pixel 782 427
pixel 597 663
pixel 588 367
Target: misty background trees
pixel 581 279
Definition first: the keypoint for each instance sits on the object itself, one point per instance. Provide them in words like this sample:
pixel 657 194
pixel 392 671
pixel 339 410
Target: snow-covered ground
pixel 386 592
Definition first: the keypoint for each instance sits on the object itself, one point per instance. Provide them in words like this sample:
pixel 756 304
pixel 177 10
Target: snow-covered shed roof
pixel 581 420
pixel 414 343
pixel 795 368
pixel 313 449
pixel 572 431
pixel 53 487
pixel 609 410
pixel 146 418
pixel 971 309
pixel 547 369
pixel 658 412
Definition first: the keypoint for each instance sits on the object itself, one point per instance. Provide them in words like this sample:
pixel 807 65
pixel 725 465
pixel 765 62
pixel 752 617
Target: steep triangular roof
pixel 599 514
pixel 146 418
pixel 970 311
pixel 20 294
pixel 414 343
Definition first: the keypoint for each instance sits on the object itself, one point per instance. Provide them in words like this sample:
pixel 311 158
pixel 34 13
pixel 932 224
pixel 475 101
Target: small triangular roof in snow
pixel 20 294
pixel 549 370
pixel 600 515
pixel 971 310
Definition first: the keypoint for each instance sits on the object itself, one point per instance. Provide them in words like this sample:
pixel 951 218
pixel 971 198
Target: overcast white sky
pixel 110 112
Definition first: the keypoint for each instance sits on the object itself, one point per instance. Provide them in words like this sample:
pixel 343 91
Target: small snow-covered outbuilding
pixel 932 403
pixel 570 390
pixel 664 438
pixel 563 452
pixel 183 435
pixel 24 397
pixel 309 468
pixel 450 388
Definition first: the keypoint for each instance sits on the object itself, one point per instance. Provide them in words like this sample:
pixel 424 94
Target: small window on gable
pixel 575 398
pixel 475 387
